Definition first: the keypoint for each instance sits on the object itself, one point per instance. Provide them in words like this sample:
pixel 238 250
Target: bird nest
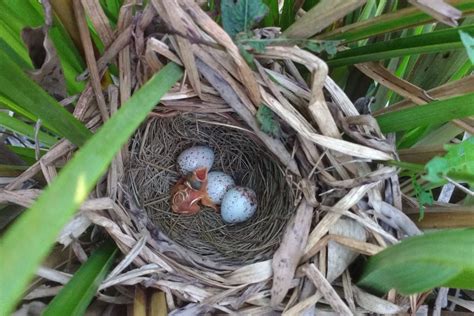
pixel 152 172
pixel 324 197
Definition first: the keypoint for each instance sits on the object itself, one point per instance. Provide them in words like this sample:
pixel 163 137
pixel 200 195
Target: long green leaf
pixel 24 92
pixel 398 20
pixel 26 154
pixel 431 113
pixel 80 290
pixel 30 238
pixel 421 263
pixel 425 43
pixel 22 128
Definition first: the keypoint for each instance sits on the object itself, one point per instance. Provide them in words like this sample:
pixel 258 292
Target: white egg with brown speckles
pixel 218 183
pixel 195 157
pixel 238 205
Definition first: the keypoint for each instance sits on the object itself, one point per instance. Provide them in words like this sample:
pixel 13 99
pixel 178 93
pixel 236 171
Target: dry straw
pixel 322 190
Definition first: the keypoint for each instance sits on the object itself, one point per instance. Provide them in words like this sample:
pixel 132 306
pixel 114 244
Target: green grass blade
pixel 22 128
pixel 432 113
pixel 421 263
pixel 39 226
pixel 271 19
pixel 398 20
pixel 437 41
pixel 26 154
pixel 16 86
pixel 287 16
pixel 462 71
pixel 77 294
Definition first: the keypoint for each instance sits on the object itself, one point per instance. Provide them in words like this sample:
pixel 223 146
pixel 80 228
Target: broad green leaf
pixel 268 122
pixel 432 113
pixel 437 41
pixel 39 226
pixel 468 42
pixel 11 44
pixel 77 294
pixel 16 86
pixel 241 15
pixel 424 262
pixel 404 18
pixel 22 128
pixel 71 61
pixel 458 163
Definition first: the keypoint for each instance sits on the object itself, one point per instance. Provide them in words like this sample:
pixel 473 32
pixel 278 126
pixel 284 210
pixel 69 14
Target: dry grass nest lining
pixel 152 172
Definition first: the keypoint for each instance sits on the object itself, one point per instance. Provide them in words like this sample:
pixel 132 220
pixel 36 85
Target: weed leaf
pixel 241 15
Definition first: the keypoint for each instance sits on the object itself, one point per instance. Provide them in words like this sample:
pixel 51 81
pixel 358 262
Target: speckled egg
pixel 238 205
pixel 194 158
pixel 218 183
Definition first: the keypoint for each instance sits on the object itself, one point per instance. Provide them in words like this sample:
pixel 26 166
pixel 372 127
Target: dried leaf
pixel 252 273
pixel 375 304
pixel 320 16
pixel 49 74
pixel 73 229
pixel 326 289
pixel 288 255
pixel 394 217
pixel 340 257
pixel 440 10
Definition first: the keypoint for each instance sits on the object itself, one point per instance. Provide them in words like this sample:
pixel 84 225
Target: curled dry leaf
pixel 49 74
pixel 440 10
pixel 252 273
pixel 375 304
pixel 340 257
pixel 291 250
pixel 73 229
pixel 394 217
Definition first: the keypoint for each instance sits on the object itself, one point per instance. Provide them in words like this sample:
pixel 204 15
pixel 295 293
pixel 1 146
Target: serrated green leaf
pixel 241 15
pixel 77 294
pixel 458 163
pixel 20 257
pixel 421 263
pixel 468 42
pixel 268 122
pixel 424 196
pixel 319 46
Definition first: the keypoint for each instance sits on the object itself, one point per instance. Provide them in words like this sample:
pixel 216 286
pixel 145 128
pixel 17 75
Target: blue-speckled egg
pixel 194 158
pixel 238 205
pixel 218 183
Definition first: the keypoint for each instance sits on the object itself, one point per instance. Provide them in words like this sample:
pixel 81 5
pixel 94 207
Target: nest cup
pixel 152 171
